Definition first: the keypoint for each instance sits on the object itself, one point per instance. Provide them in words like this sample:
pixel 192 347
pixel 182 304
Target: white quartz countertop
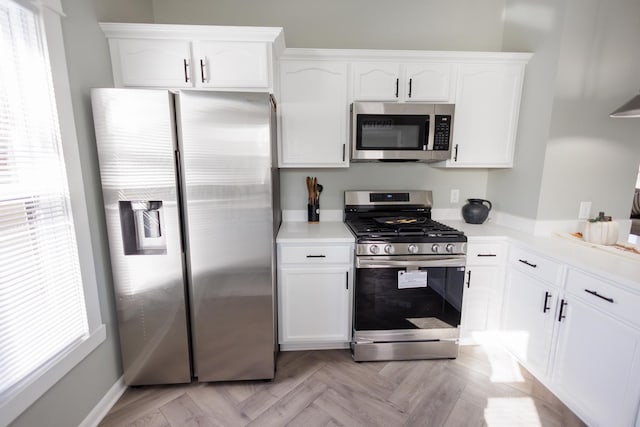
pixel 320 232
pixel 621 268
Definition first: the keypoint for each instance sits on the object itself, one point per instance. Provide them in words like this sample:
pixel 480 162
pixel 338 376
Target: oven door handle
pixel 411 262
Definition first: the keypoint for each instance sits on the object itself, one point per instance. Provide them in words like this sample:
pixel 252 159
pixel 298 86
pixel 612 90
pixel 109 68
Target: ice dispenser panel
pixel 142 225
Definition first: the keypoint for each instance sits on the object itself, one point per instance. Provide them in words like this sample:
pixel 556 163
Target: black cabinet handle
pixel 524 261
pixel 596 294
pixel 397 86
pixel 186 70
pixel 347 282
pixel 202 70
pixel 487 255
pixel 561 316
pixel 547 295
pixel 468 278
pixel 410 82
pixel 316 256
pixel 344 151
pixel 455 156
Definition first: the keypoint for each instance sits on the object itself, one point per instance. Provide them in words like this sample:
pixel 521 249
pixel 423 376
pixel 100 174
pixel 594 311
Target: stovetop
pixel 401 226
pixel 399 223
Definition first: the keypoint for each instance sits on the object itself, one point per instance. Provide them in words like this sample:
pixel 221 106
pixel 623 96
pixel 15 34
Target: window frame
pixel 41 380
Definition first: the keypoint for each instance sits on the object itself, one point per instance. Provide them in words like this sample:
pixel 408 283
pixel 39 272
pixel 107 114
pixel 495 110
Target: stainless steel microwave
pixel 387 131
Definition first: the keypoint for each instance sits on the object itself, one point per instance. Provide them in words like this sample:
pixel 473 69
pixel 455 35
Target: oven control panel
pixel 389 249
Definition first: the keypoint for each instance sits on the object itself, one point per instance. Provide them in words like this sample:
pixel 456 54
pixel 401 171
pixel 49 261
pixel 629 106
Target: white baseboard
pixel 106 403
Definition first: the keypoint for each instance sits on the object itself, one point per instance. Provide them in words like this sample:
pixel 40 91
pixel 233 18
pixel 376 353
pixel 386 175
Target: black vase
pixel 476 211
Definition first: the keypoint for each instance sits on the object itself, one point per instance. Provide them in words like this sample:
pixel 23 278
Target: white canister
pixel 601 232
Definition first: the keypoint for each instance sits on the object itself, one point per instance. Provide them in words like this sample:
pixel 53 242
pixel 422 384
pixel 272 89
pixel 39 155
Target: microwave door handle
pixel 431 130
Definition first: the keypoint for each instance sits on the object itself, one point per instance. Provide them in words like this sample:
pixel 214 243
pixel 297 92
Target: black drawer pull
pixel 487 255
pixel 316 256
pixel 469 279
pixel 563 304
pixel 596 294
pixel 524 261
pixel 547 295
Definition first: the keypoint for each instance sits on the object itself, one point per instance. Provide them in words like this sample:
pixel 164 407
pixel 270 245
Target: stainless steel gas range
pixel 409 277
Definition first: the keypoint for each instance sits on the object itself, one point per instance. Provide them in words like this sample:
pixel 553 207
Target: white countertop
pixel 620 268
pixel 320 232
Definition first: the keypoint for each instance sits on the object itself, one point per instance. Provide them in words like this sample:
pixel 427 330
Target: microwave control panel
pixel 442 133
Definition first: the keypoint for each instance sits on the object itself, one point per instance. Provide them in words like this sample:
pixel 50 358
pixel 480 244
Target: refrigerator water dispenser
pixel 142 227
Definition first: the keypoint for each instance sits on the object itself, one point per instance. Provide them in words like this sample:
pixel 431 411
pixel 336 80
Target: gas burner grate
pixel 373 227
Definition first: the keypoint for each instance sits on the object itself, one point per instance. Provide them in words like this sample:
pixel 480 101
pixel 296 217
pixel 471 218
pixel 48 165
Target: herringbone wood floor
pixel 482 387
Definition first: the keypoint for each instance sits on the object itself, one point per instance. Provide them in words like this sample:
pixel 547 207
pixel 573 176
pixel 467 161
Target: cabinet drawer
pixel 609 298
pixel 316 254
pixel 534 264
pixel 486 253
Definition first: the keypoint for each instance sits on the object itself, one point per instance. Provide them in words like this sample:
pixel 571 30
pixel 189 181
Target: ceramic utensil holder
pixel 313 212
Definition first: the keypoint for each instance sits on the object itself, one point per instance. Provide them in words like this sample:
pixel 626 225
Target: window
pixel 43 312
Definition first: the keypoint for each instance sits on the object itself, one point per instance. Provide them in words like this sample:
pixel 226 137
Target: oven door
pixel 410 298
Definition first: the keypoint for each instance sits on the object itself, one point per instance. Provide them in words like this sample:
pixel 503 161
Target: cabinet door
pixel 428 82
pixel 596 365
pixel 314 114
pixel 223 64
pixel 376 81
pixel 482 299
pixel 527 324
pixel 314 305
pixel 486 117
pixel 152 63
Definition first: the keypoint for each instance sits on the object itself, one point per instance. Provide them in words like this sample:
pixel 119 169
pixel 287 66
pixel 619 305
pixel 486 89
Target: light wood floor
pixel 482 387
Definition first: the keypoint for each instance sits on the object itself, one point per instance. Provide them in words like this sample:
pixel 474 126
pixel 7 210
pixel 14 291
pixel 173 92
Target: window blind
pixel 42 308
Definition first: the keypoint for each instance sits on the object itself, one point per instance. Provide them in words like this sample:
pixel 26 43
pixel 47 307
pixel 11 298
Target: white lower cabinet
pixel 529 309
pixel 578 333
pixel 314 296
pixel 314 304
pixel 483 288
pixel 597 360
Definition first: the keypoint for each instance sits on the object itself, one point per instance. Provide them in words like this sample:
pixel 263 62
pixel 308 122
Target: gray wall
pixel 375 24
pixel 74 396
pixel 586 64
pixel 530 26
pixel 590 156
pixel 393 176
pixel 362 24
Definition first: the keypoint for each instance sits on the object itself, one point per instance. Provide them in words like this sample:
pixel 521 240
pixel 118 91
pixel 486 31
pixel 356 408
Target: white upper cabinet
pixel 392 81
pixel 486 118
pixel 193 56
pixel 152 63
pixel 429 82
pixel 378 81
pixel 233 64
pixel 314 114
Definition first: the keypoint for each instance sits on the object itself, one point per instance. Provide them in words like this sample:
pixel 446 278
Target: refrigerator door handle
pixel 183 242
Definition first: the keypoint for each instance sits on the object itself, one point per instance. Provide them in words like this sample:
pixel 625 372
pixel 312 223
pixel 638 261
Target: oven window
pixel 380 305
pixel 388 132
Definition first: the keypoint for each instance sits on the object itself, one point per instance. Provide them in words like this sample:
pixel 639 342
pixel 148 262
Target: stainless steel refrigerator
pixel 190 188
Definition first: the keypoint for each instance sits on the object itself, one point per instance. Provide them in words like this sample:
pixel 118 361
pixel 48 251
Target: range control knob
pixel 435 248
pixel 412 248
pixel 389 249
pixel 450 247
pixel 374 249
